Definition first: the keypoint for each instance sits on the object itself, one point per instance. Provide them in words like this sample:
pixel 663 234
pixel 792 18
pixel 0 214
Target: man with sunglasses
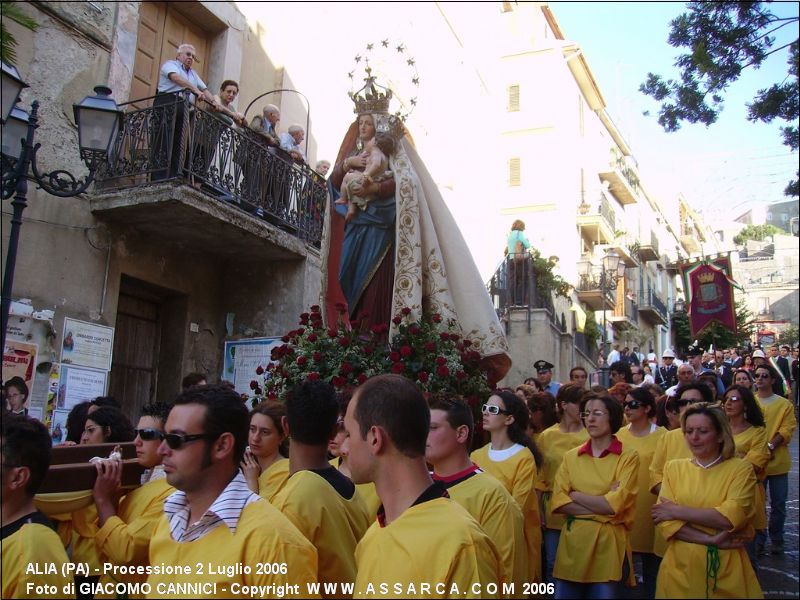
pixel 124 531
pixel 28 537
pixel 781 423
pixel 214 519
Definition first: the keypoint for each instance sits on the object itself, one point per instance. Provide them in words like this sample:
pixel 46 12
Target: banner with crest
pixel 709 292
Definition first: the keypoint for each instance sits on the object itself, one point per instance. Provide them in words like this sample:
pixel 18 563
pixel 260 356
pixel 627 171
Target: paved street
pixel 779 574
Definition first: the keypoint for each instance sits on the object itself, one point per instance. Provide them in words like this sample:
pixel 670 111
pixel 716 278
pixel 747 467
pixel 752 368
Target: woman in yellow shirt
pixel 750 436
pixel 512 458
pixel 595 488
pixel 568 433
pixel 704 511
pixel 642 435
pixel 264 464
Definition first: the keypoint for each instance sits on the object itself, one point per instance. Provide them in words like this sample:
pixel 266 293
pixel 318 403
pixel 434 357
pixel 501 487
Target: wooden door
pixel 134 369
pixel 161 31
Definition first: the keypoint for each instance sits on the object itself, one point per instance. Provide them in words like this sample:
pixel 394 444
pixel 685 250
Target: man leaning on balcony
pixel 174 77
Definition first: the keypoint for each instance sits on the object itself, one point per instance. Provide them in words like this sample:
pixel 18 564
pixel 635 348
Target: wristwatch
pixel 771 446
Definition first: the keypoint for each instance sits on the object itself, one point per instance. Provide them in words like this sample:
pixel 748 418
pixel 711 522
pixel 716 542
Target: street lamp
pixel 11 86
pixel 98 118
pixel 613 270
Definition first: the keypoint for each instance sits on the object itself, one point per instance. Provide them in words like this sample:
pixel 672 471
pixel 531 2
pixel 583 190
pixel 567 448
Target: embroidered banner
pixel 710 298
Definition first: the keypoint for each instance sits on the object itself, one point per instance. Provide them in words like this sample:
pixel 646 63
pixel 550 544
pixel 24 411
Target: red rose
pixel 398 367
pixel 361 378
pixel 440 360
pixel 254 385
pixel 274 354
pixel 436 318
pixel 346 368
pixel 315 308
pixel 444 335
pixel 376 329
pixel 461 375
pixel 442 371
pixel 312 337
pixel 300 331
pixel 333 333
pixel 368 350
pixel 259 370
pixel 405 310
pixel 467 343
pixel 285 339
pixel 430 346
pixel 272 396
pixel 338 381
pixel 394 356
pixel 258 391
pixel 317 356
pixel 454 336
pixel 406 351
pixel 397 320
pixel 313 376
pixel 414 330
pixel 316 317
pixel 304 316
pixel 301 360
pixel 423 376
pixel 344 342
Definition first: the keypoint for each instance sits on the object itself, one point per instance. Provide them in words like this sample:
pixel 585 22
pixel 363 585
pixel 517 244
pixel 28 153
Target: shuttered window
pixel 514 172
pixel 513 98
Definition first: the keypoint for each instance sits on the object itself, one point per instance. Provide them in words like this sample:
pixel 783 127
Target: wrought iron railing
pixel 607 212
pixel 654 242
pixel 177 140
pixel 650 298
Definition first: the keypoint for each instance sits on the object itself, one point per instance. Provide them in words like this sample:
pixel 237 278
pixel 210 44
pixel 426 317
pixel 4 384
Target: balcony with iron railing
pixel 623 182
pixel 652 307
pixel 595 293
pixel 513 286
pixel 626 312
pixel 597 221
pixel 182 172
pixel 650 251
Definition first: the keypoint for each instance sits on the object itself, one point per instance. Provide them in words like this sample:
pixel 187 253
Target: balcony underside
pixel 651 314
pixel 595 229
pixel 618 185
pixel 594 299
pixel 648 253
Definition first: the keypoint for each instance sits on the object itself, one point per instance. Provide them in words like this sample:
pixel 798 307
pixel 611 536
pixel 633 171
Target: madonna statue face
pixel 366 127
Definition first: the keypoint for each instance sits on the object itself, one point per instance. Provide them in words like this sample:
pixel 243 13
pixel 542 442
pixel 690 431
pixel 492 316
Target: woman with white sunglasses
pixel 512 457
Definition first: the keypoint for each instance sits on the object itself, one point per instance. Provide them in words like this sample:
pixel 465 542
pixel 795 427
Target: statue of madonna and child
pixel 393 244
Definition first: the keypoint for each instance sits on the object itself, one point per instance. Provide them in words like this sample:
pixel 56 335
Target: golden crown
pixel 706 277
pixel 372 98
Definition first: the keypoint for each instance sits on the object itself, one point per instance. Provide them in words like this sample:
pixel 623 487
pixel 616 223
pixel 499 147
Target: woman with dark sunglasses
pixel 642 435
pixel 124 527
pixel 565 435
pixel 673 445
pixel 750 436
pixel 781 423
pixel 513 458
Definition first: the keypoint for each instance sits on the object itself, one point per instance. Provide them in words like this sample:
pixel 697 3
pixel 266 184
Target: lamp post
pixel 98 118
pixel 613 270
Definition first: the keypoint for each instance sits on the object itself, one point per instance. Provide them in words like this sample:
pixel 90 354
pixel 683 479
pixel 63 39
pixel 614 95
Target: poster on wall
pixel 87 344
pixel 77 384
pixel 58 427
pixel 19 360
pixel 243 357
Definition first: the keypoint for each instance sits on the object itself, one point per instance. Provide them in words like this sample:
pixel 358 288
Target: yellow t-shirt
pixel 553 443
pixel 670 446
pixel 263 536
pixel 751 445
pixel 332 523
pixel 367 492
pixel 125 538
pixel 517 472
pixel 436 542
pixel 779 415
pixel 37 545
pixel 271 481
pixel 729 488
pixel 594 548
pixel 499 516
pixel 643 526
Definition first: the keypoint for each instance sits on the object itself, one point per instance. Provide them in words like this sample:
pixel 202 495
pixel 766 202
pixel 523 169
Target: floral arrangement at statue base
pixel 430 352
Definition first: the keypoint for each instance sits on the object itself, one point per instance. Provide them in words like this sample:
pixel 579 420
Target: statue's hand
pixel 365 188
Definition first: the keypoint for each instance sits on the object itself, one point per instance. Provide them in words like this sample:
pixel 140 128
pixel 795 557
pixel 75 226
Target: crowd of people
pixel 595 490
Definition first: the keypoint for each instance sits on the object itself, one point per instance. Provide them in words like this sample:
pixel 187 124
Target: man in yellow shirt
pixel 423 543
pixel 484 497
pixel 321 501
pixel 217 537
pixel 29 541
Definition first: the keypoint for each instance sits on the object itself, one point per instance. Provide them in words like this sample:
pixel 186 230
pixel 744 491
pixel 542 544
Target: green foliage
pixel 790 335
pixel 717 335
pixel 8 43
pixel 757 232
pixel 548 282
pixel 724 39
pixel 591 331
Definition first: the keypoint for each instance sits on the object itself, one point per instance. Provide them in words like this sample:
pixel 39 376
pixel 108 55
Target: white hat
pixel 759 354
pixel 668 354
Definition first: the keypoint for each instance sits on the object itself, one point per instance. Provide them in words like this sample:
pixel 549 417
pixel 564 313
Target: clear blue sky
pixel 722 169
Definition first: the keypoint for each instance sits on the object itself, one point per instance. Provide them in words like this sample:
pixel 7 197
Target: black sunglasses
pixel 176 440
pixel 148 434
pixel 633 404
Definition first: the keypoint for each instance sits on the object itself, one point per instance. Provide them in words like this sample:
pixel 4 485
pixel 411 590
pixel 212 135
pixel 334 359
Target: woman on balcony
pixel 390 256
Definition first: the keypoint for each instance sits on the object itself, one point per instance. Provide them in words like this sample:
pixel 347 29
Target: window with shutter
pixel 513 98
pixel 514 172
